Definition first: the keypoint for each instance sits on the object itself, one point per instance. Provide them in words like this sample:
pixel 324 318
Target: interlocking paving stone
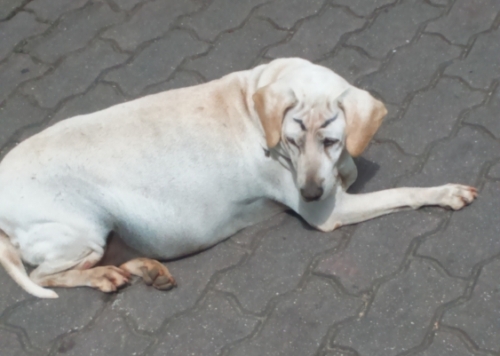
pixel 302 286
pixel 73 31
pixel 75 74
pixel 17 69
pixel 10 293
pixel 487 115
pixel 100 97
pixel 445 344
pixel 479 317
pixel 9 6
pixel 149 307
pixel 221 16
pixel 296 10
pixel 18 113
pixel 466 19
pixel 350 64
pixel 277 264
pixel 206 331
pixel 51 10
pixel 471 148
pixel 394 28
pixel 431 116
pixel 471 236
pixel 150 22
pixel 127 4
pixel 179 80
pixel 156 62
pixel 481 65
pixel 299 322
pixel 16 29
pixel 109 336
pixel 401 312
pixel 72 311
pixel 494 171
pixel 380 167
pixel 236 50
pixel 10 344
pixel 411 68
pixel 329 26
pixel 376 249
pixel 362 7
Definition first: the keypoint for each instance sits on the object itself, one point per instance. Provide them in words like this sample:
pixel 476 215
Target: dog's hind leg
pixel 80 274
pixel 152 272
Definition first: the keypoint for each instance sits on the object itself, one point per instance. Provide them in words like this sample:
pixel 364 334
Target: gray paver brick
pixel 10 293
pixel 100 97
pixel 72 311
pixel 220 16
pixel 479 317
pixel 362 7
pixel 236 50
pixel 296 10
pixel 380 167
pixel 445 344
pixel 394 28
pixel 401 312
pixel 299 322
pixel 18 28
pixel 431 116
pixel 127 4
pixel 411 68
pixel 109 336
pixel 329 26
pixel 179 79
pixel 471 148
pixel 376 249
pixel 466 19
pixel 10 344
pixel 151 21
pixel 18 113
pixel 277 264
pixel 207 331
pixel 17 69
pixel 481 65
pixel 471 236
pixel 488 115
pixel 75 74
pixel 156 62
pixel 192 275
pixel 350 64
pixel 73 31
pixel 51 10
pixel 494 171
pixel 8 8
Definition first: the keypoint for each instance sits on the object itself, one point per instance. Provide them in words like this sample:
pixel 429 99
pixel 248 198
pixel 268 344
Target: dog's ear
pixel 271 103
pixel 364 115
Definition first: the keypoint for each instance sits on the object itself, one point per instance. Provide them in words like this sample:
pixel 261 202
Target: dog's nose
pixel 311 192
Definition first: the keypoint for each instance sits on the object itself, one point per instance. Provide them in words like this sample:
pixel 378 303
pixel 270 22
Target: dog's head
pixel 314 115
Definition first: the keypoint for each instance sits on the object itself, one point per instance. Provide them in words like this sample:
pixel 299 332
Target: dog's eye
pixel 328 142
pixel 292 141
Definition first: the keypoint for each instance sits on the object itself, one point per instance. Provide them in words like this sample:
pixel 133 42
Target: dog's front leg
pixel 343 208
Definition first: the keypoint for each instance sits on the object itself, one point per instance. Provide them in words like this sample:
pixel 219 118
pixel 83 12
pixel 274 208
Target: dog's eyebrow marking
pixel 300 123
pixel 329 121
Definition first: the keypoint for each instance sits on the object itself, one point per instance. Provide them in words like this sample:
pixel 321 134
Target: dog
pixel 177 172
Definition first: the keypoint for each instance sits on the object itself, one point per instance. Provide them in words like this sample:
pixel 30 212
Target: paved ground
pixel 417 283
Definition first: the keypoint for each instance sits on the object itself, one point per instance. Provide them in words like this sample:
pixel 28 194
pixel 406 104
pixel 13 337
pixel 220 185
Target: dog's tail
pixel 11 261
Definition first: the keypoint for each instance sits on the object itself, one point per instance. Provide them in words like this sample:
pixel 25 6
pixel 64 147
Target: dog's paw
pixel 457 196
pixel 152 272
pixel 109 278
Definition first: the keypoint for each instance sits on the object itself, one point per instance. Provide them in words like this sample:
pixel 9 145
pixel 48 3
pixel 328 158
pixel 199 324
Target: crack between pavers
pixel 22 337
pixel 15 11
pixel 469 343
pixel 472 39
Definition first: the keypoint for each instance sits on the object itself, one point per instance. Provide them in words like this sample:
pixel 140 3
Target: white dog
pixel 177 172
